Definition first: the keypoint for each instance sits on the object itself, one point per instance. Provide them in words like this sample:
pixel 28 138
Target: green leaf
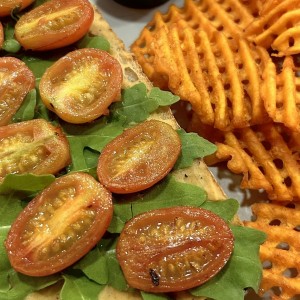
pixel 193 146
pixel 94 266
pixel 165 194
pixel 38 65
pixel 226 209
pixel 25 182
pixel 4 262
pixel 27 109
pixel 151 296
pixel 163 98
pixel 116 278
pixel 13 285
pixel 10 44
pixel 94 136
pixel 98 42
pixel 136 106
pixel 10 207
pixel 242 271
pixel 79 288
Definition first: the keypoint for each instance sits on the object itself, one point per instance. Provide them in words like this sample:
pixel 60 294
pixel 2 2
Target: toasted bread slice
pixel 198 174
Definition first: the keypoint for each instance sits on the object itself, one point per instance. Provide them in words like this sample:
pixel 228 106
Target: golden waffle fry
pixel 227 16
pixel 267 156
pixel 220 77
pixel 253 6
pixel 277 27
pixel 280 253
pixel 281 93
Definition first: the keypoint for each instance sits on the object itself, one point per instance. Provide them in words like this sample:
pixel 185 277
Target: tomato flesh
pixel 16 80
pixel 139 158
pixel 80 86
pixel 54 24
pixel 60 225
pixel 34 146
pixel 173 249
pixel 7 6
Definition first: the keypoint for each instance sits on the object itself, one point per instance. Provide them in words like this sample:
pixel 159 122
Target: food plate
pixel 127 24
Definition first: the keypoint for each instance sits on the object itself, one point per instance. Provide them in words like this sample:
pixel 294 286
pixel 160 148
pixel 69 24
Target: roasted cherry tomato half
pixel 54 24
pixel 173 249
pixel 34 146
pixel 60 225
pixel 138 158
pixel 7 6
pixel 16 80
pixel 80 86
pixel 1 35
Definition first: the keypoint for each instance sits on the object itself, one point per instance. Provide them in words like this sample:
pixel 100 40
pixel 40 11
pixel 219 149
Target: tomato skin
pixel 54 24
pixel 80 86
pixel 7 6
pixel 1 35
pixel 173 249
pixel 34 146
pixel 16 80
pixel 139 157
pixel 60 225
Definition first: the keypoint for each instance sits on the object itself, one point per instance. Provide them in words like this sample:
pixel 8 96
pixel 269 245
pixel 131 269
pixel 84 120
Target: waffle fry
pixel 228 16
pixel 280 93
pixel 277 27
pixel 267 156
pixel 197 52
pixel 222 86
pixel 280 252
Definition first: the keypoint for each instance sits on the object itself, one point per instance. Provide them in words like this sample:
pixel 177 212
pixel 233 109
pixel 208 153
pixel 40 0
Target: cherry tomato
pixel 60 225
pixel 16 80
pixel 7 6
pixel 34 146
pixel 54 24
pixel 80 86
pixel 139 157
pixel 173 249
pixel 1 35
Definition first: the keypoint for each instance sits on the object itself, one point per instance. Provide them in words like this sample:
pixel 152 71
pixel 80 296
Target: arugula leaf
pixel 151 296
pixel 13 285
pixel 25 182
pixel 225 209
pixel 136 104
pixel 165 194
pixel 27 109
pixel 79 288
pixel 94 266
pixel 5 264
pixel 98 42
pixel 94 136
pixel 243 270
pixel 10 44
pixel 193 146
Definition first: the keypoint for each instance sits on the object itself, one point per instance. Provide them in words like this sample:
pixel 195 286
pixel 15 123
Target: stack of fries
pixel 236 62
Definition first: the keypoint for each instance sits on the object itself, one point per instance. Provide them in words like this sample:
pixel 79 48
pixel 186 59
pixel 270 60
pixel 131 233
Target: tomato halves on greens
pixel 16 80
pixel 138 158
pixel 34 146
pixel 173 249
pixel 7 6
pixel 80 86
pixel 54 24
pixel 60 225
